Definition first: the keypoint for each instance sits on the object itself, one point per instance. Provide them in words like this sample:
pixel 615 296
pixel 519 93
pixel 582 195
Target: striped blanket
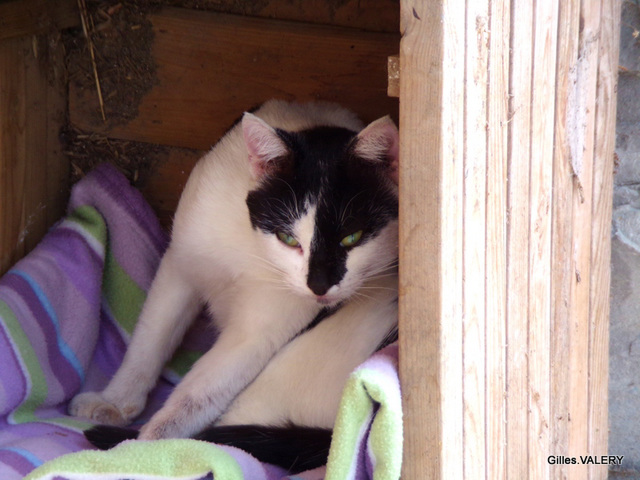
pixel 66 313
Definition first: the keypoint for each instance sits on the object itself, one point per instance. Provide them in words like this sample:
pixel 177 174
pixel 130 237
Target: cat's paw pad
pixel 169 422
pixel 94 406
pixel 153 432
pixel 163 427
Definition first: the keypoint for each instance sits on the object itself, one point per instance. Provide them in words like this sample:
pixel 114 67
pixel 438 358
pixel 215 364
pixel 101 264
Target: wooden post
pixel 34 172
pixel 507 124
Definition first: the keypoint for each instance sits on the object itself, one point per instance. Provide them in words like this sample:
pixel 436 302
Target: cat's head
pixel 325 204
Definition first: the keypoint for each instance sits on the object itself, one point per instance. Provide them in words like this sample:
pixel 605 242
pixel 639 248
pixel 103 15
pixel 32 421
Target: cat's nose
pixel 318 283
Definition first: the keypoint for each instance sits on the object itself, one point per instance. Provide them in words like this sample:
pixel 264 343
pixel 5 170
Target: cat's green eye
pixel 351 240
pixel 287 239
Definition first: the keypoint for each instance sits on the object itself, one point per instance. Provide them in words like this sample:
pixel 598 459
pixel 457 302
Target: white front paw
pixel 96 407
pixel 157 430
pixel 177 419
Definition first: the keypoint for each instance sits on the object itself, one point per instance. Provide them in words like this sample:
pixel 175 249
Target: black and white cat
pixel 287 231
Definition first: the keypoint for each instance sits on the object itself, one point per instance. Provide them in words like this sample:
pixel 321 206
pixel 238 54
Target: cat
pixel 287 230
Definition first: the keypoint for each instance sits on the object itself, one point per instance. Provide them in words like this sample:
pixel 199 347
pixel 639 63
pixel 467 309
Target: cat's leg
pixel 169 309
pixel 249 340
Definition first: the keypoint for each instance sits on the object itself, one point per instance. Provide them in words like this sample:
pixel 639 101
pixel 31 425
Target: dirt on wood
pixel 86 150
pixel 114 61
pixel 117 53
pixel 111 58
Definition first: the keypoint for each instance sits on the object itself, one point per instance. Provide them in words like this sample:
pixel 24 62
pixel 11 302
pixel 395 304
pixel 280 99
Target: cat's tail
pixel 291 447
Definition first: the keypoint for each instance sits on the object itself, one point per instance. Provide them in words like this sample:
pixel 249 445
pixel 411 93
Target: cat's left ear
pixel 267 151
pixel 379 142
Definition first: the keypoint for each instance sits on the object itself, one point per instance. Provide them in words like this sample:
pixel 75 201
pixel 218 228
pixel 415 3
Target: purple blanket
pixel 66 313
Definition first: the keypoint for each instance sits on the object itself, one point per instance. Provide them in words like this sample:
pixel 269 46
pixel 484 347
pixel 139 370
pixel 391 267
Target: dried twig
pixel 84 17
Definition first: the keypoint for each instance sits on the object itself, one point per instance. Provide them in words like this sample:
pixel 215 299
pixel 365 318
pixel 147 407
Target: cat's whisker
pixel 355 298
pixel 388 269
pixel 359 294
pixel 267 263
pixel 391 264
pixel 346 207
pixel 380 276
pixel 278 281
pixel 295 200
pixel 376 287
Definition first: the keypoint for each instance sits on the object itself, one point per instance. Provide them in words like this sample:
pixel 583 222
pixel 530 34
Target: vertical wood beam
pixel 581 108
pixel 474 238
pixel 543 97
pixel 12 148
pixel 421 79
pixel 505 187
pixel 563 274
pixel 602 193
pixel 431 137
pixel 33 169
pixel 518 208
pixel 496 240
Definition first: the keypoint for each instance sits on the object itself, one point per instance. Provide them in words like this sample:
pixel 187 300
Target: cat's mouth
pixel 326 300
pixel 331 299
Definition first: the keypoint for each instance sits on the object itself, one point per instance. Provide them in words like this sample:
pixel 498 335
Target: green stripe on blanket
pixel 124 297
pixel 91 222
pixel 37 387
pixel 160 459
pixel 366 389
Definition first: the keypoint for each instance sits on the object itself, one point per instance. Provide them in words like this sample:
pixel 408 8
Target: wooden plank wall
pixel 30 17
pixel 507 124
pixel 212 66
pixel 34 172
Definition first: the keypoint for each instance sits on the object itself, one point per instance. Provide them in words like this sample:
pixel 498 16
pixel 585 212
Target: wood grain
pixel 541 170
pixel 475 239
pixel 581 106
pixel 420 316
pixel 431 237
pixel 28 17
pixel 451 243
pixel 496 239
pixel 520 225
pixel 563 274
pixel 373 15
pixel 33 171
pixel 211 67
pixel 519 210
pixel 12 149
pixel 603 172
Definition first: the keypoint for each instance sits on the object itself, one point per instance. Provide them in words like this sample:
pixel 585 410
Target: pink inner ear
pixel 263 144
pixel 380 140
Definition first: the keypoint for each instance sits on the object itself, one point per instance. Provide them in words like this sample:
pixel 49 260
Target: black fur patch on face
pixel 350 195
